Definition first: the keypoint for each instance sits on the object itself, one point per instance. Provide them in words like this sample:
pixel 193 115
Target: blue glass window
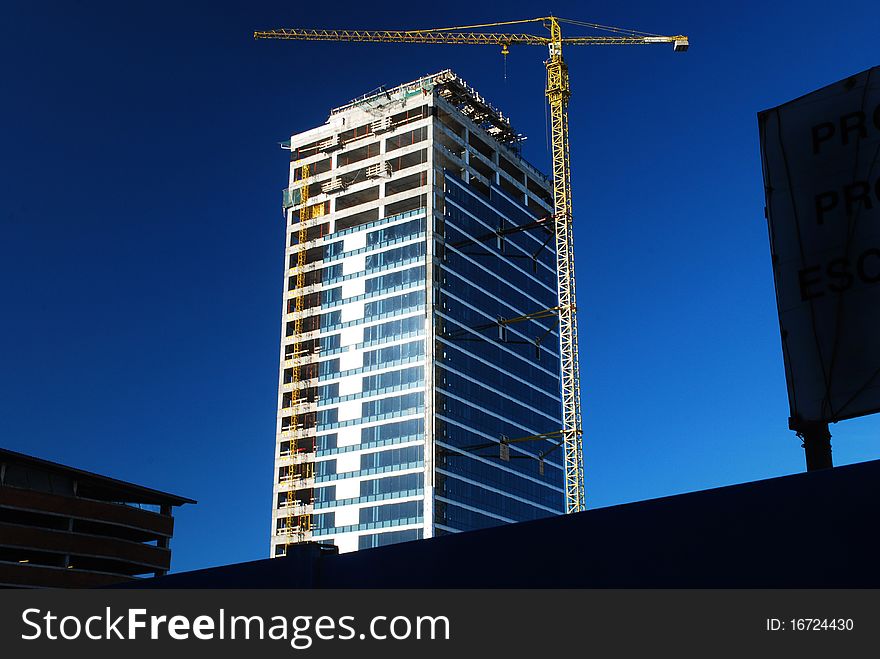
pixel 392 431
pixel 331 342
pixel 395 456
pixel 396 255
pixel 393 328
pixel 394 353
pixel 328 391
pixel 324 520
pixel 391 512
pixel 326 417
pixel 331 272
pixel 381 539
pixel 329 295
pixel 331 318
pixel 393 379
pixel 396 232
pixel 393 404
pixel 326 442
pixel 391 484
pixel 329 367
pixel 392 279
pixel 390 305
pixel 333 249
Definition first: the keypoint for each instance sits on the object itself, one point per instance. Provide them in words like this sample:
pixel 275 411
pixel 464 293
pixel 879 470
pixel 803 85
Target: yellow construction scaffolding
pixel 299 518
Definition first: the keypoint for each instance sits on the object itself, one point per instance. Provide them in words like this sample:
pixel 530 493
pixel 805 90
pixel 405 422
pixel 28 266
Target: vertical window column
pixel 466 155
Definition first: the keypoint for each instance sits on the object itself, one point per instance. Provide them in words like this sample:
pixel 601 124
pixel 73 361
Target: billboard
pixel 822 189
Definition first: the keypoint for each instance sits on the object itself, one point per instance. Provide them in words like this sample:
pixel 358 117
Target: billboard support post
pixel 817 442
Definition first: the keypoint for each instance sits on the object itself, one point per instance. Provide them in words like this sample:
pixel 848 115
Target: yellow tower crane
pixel 558 92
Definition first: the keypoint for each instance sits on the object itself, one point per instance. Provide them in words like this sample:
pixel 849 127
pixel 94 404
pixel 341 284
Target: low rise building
pixel 67 528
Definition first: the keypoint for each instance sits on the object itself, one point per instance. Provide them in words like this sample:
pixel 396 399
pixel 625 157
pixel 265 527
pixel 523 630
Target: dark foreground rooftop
pixel 816 530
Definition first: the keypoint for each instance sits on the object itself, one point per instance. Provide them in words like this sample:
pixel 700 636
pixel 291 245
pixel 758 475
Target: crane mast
pixel 558 92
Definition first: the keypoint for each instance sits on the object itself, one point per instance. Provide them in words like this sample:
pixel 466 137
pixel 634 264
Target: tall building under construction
pixel 420 348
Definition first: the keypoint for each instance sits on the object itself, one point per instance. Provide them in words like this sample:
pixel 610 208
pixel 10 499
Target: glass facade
pixel 363 380
pixel 496 381
pixel 401 378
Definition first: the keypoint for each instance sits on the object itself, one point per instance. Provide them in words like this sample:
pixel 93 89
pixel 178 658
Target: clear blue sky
pixel 141 251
